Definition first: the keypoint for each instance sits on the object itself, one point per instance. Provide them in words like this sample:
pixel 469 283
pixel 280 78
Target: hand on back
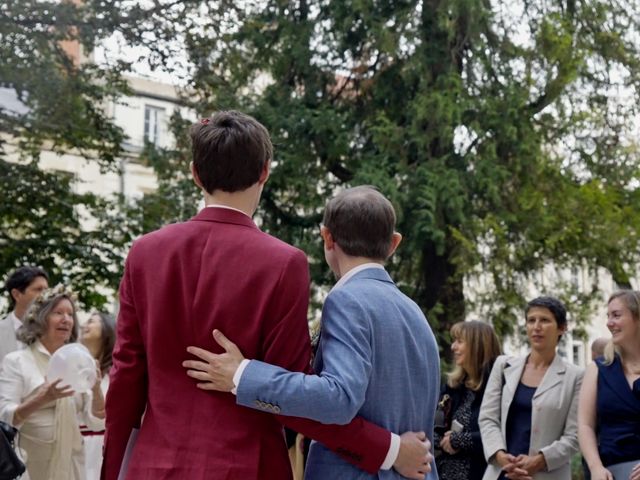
pixel 215 371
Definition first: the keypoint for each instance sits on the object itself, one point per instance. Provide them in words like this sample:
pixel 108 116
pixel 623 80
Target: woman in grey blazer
pixel 528 417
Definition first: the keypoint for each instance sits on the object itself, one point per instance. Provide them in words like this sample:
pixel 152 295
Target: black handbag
pixel 11 467
pixel 442 419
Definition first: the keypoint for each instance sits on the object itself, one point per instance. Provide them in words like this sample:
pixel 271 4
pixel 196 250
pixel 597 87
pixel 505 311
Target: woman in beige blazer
pixel 528 415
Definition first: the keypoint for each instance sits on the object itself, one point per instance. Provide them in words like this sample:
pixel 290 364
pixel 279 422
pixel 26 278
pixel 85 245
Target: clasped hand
pixel 215 371
pixel 522 467
pixel 445 444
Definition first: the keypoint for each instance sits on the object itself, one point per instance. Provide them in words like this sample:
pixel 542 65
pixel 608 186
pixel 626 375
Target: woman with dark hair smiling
pixel 43 410
pixel 528 417
pixel 98 334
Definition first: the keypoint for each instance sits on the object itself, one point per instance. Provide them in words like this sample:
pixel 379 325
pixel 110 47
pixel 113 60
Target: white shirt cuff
pixel 238 376
pixel 392 454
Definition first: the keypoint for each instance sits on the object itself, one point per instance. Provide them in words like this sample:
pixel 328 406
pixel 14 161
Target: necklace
pixel 632 368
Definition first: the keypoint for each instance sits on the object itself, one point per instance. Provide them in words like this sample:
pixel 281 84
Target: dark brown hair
pixel 361 221
pixel 555 306
pixel 21 278
pixel 230 150
pixel 107 341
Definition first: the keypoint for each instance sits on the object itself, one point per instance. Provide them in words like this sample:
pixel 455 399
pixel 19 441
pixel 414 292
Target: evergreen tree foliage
pixel 52 103
pixel 503 132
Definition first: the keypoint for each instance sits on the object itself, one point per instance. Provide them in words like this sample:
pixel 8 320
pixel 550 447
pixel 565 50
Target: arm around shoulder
pixel 336 394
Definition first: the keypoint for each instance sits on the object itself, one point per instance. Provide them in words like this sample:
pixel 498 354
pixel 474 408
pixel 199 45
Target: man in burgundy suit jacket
pixel 218 270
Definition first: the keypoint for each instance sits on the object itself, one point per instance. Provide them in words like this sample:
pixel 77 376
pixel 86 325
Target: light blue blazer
pixel 377 358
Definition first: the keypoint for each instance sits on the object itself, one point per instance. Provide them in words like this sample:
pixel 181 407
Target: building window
pixel 71 177
pixel 578 354
pixel 152 124
pixel 575 278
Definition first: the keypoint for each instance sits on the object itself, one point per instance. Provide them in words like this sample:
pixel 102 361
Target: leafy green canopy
pixel 504 133
pixel 50 103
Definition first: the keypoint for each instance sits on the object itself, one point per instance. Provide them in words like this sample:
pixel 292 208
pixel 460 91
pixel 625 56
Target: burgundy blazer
pixel 217 270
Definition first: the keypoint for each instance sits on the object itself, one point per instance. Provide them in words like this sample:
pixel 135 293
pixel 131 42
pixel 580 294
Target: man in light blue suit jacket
pixel 377 356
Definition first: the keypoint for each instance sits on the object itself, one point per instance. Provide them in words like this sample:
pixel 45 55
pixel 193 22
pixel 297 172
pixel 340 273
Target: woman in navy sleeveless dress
pixel 609 415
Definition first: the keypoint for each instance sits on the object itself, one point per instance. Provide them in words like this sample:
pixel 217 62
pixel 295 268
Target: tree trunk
pixel 442 293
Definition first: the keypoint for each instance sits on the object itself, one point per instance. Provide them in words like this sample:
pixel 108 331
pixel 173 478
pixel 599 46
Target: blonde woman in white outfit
pixel 528 417
pixel 44 411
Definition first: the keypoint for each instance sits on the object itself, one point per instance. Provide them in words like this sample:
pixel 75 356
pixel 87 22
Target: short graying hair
pixel 361 221
pixel 36 322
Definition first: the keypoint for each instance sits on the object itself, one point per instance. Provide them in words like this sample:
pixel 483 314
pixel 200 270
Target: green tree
pixel 176 199
pixel 49 102
pixel 503 133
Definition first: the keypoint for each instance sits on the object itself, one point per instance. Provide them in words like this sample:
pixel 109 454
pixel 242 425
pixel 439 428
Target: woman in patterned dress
pixel 475 347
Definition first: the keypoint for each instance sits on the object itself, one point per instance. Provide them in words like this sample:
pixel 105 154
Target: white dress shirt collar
pixel 41 348
pixel 16 325
pixel 16 321
pixel 347 276
pixel 215 205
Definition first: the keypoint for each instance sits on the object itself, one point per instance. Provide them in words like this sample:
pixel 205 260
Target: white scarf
pixel 67 439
